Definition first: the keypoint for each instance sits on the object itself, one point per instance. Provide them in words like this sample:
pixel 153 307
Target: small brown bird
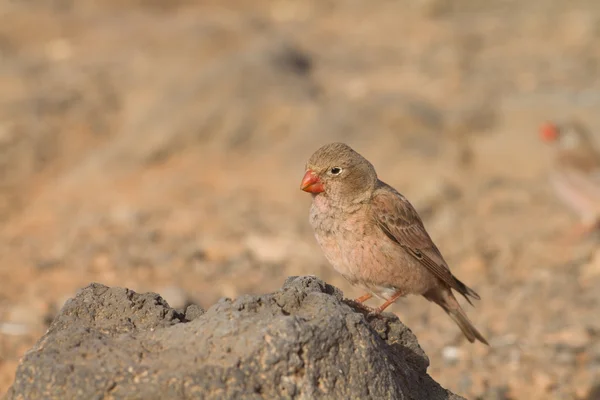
pixel 374 237
pixel 575 175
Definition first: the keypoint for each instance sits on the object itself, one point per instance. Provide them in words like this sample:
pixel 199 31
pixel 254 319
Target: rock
pixel 193 311
pixel 301 342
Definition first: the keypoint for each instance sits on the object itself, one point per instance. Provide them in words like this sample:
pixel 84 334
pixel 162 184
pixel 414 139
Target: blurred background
pixel 159 146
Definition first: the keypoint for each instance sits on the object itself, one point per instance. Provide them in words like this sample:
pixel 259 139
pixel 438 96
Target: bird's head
pixel 340 173
pixel 566 136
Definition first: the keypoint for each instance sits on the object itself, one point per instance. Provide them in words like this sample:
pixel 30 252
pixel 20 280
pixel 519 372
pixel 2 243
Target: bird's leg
pixel 389 301
pixel 359 302
pixel 363 298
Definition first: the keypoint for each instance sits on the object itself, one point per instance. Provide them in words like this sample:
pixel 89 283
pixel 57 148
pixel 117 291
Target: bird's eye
pixel 335 171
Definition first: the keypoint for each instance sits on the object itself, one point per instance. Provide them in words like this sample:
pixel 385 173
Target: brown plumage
pixel 575 175
pixel 374 237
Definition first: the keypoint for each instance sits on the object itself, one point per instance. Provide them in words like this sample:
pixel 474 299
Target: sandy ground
pixel 160 147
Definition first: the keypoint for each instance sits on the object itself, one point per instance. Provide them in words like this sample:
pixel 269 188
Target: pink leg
pixel 389 301
pixel 363 298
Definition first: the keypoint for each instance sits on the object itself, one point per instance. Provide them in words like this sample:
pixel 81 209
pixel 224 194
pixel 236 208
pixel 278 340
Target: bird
pixel 575 172
pixel 373 236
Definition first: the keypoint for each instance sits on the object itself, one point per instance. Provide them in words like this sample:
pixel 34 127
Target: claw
pixel 360 305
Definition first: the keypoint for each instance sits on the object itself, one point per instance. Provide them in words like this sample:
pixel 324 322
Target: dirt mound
pixel 302 341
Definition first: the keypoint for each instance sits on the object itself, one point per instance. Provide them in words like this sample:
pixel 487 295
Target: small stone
pixel 193 311
pixel 451 354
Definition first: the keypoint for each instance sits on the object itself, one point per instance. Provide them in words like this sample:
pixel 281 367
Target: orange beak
pixel 311 183
pixel 549 132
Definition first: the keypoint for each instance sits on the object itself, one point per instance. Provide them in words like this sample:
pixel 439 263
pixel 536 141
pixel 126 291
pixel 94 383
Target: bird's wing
pixel 398 219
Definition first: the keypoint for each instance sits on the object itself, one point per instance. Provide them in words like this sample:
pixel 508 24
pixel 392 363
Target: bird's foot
pixel 360 306
pixel 375 312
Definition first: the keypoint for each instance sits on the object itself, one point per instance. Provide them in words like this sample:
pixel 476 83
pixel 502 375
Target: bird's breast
pixel 578 190
pixel 347 239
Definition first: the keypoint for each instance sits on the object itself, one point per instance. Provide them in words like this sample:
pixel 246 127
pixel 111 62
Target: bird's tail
pixel 448 302
pixel 467 328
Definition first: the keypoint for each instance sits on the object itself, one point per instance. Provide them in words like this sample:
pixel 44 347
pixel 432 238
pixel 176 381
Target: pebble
pixel 451 354
pixel 193 311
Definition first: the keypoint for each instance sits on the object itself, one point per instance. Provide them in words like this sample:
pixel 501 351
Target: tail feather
pixel 466 291
pixel 467 328
pixel 445 299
